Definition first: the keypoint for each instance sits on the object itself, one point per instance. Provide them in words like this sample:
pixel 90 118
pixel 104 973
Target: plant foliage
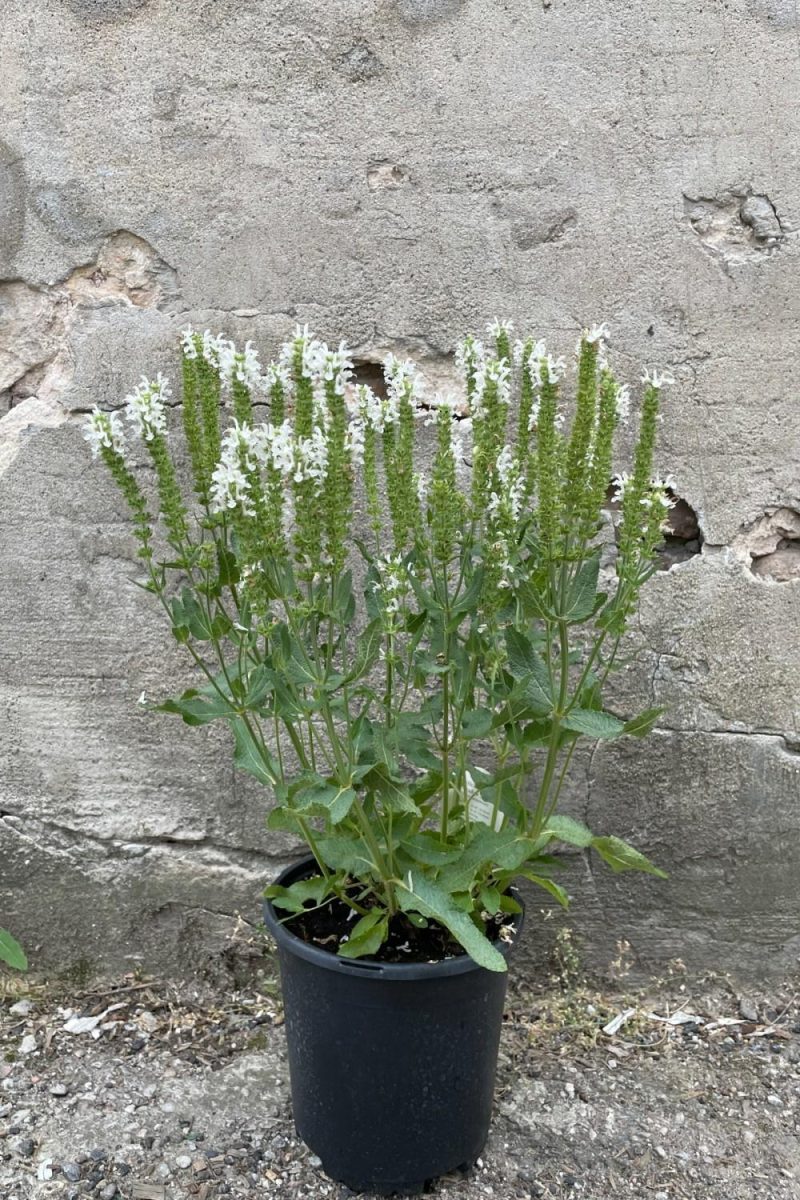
pixel 413 707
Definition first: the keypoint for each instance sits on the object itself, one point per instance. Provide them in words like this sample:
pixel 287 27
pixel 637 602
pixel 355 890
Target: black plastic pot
pixel 392 1065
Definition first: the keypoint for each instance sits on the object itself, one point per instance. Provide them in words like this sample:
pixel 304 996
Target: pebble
pixel 59 1089
pixel 25 1147
pixel 22 1008
pixel 774 1100
pixel 315 1161
pixel 183 1161
pixel 71 1171
pixel 109 1192
pixel 28 1044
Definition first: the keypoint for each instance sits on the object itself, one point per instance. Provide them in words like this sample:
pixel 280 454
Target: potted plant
pixel 407 658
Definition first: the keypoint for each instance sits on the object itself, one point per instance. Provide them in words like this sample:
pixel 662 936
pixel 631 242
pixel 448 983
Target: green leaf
pixel 487 848
pixel 555 891
pixel 393 792
pixel 367 936
pixel 534 604
pixel 426 848
pixel 260 682
pixel 196 710
pixel 334 799
pixel 227 566
pixel 643 724
pixel 418 894
pixel 490 899
pixel 468 599
pixel 622 857
pixel 477 723
pixel 367 651
pixel 296 896
pixel 11 952
pixel 342 852
pixel 528 666
pixel 583 592
pixel 249 757
pixel 283 819
pixel 565 829
pixel 594 724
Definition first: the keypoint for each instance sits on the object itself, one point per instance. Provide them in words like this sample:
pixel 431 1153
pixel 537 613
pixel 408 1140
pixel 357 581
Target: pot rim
pixel 365 967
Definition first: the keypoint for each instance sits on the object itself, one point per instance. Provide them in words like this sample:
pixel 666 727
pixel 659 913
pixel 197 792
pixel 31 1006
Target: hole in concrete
pixel 684 537
pixel 771 545
pixel 367 373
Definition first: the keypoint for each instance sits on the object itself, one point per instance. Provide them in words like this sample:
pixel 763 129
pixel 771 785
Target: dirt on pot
pixel 139 1090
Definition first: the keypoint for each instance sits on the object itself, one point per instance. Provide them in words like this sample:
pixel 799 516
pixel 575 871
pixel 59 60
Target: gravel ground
pixel 138 1090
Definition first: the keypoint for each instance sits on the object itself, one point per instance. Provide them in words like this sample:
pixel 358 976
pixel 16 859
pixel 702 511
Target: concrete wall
pixel 396 172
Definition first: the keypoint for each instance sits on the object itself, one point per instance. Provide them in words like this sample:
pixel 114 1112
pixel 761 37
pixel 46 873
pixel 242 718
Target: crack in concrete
pixel 240 857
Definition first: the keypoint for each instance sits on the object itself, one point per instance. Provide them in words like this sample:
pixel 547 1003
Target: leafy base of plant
pixel 330 925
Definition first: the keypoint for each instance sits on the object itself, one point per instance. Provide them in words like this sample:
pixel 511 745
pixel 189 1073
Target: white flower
pixel 422 489
pixel 597 333
pixel 242 365
pixel 657 379
pixel 229 484
pixel 402 379
pixel 273 445
pixel 469 354
pixel 496 327
pixel 305 340
pixel 189 342
pixel 144 407
pixel 621 483
pixel 354 442
pixel 104 429
pixel 494 371
pixel 336 367
pixel 311 457
pixel 364 405
pixel 538 359
pixel 212 347
pixel 507 504
pixel 277 375
pixel 623 403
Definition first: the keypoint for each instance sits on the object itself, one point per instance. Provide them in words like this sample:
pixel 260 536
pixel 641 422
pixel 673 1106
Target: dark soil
pixel 330 925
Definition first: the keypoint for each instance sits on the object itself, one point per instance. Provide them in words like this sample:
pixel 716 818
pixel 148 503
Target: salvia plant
pixel 407 659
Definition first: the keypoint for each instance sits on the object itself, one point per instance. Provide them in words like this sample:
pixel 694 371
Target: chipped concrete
pixel 396 174
pixel 736 225
pixel 771 545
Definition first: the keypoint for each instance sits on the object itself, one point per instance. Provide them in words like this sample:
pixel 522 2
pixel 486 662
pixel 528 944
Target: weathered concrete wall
pixel 395 172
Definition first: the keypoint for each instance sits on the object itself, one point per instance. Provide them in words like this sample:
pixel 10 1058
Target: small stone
pixel 109 1192
pixel 774 1100
pixel 71 1171
pixel 183 1161
pixel 59 1089
pixel 748 1010
pixel 25 1147
pixel 98 1155
pixel 28 1044
pixel 315 1161
pixel 22 1008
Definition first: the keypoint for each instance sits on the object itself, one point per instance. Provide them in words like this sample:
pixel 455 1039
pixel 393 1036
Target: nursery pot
pixel 392 1065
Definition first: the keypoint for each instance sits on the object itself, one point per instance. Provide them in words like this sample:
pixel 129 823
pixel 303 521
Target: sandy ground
pixel 140 1090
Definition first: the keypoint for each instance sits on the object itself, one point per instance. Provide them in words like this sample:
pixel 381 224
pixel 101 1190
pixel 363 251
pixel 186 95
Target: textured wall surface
pixel 396 172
